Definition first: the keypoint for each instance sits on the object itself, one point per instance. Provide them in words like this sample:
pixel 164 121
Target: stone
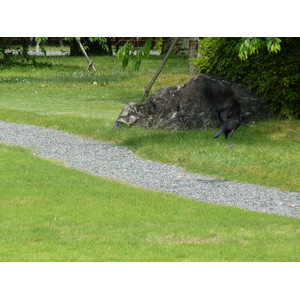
pixel 197 103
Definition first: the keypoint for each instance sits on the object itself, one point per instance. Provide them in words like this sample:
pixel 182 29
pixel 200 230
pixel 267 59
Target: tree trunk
pixel 147 89
pixel 74 48
pixel 193 52
pixel 85 54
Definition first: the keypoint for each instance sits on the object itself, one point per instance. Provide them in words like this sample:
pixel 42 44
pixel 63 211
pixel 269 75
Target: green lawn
pixel 50 213
pixel 59 93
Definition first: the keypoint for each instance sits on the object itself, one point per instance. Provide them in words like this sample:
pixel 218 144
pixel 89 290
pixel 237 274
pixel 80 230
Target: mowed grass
pixel 265 153
pixel 53 213
pixel 59 93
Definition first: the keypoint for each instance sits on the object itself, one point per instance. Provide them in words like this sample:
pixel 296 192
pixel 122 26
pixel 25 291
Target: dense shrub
pixel 274 76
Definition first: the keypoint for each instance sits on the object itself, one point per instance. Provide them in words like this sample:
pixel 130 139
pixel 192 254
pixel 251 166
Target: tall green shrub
pixel 274 76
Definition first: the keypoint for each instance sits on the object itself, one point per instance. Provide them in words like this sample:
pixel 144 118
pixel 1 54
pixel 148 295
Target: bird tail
pixel 219 133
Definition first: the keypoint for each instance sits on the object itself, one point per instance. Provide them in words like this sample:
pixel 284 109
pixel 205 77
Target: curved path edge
pixel 119 163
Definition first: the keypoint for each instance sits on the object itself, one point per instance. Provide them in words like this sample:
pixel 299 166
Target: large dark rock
pixel 197 103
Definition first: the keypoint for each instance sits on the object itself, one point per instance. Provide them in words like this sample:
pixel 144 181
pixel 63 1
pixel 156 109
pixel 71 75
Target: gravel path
pixel 119 163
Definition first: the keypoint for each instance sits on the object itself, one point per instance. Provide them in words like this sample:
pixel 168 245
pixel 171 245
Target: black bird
pixel 231 125
pixel 228 109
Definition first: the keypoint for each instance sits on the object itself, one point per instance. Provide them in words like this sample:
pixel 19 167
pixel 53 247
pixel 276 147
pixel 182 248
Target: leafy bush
pixel 274 76
pixel 4 43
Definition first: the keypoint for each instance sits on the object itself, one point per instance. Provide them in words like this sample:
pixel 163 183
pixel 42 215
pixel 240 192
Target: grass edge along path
pixel 53 213
pixel 267 153
pixel 58 93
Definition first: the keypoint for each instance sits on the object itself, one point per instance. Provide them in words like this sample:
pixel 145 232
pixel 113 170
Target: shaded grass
pixel 51 213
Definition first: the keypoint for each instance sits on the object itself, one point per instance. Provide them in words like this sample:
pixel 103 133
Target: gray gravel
pixel 119 163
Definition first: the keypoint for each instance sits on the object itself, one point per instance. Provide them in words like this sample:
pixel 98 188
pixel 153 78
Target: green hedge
pixel 274 77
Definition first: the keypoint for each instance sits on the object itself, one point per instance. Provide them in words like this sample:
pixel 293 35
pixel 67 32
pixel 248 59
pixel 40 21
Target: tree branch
pixel 85 54
pixel 148 88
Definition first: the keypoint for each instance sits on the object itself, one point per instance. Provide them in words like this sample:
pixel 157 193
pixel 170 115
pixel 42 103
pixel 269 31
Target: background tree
pixel 92 45
pixel 6 43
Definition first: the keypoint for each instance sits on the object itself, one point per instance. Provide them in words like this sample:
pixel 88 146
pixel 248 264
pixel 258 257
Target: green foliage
pixel 158 44
pixel 89 43
pixel 273 44
pixel 102 42
pixel 273 74
pixel 127 53
pixel 2 49
pixel 251 45
pixel 4 44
